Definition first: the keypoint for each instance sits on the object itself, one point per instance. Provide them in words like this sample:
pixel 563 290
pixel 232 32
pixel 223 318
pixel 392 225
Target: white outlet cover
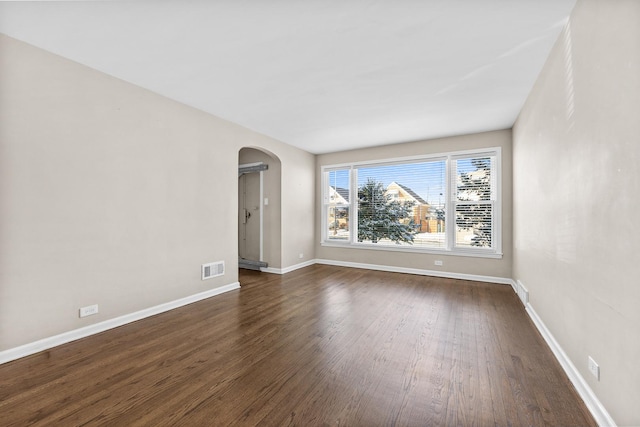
pixel 89 310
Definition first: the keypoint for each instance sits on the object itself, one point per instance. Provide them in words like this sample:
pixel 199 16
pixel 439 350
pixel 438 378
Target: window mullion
pixel 353 202
pixel 450 206
pixel 325 204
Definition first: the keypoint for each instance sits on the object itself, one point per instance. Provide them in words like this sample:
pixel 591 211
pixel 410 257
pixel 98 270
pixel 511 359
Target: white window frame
pixel 450 203
pixel 326 197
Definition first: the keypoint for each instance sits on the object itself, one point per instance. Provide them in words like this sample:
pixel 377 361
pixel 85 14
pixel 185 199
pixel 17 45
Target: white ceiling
pixel 323 75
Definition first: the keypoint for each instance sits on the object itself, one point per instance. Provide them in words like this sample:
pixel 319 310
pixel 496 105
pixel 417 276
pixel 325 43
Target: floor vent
pixel 213 269
pixel 523 293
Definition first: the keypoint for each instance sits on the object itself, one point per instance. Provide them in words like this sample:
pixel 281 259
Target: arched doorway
pixel 258 209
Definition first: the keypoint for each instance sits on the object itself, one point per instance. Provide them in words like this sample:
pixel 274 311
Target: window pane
pixel 339 187
pixel 337 199
pixel 473 225
pixel 474 210
pixel 402 204
pixel 338 223
pixel 473 179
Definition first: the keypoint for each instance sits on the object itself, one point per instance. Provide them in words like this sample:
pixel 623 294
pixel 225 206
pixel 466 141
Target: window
pixel 394 202
pixel 447 202
pixel 475 198
pixel 337 209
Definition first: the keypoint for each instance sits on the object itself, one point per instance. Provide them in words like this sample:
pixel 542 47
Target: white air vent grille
pixel 523 293
pixel 212 269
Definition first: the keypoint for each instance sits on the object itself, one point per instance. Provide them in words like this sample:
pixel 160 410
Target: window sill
pixel 477 253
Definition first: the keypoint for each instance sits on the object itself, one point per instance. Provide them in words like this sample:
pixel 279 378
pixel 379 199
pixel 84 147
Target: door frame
pixel 257 167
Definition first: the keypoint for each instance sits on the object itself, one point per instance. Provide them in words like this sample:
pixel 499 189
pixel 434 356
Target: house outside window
pixel 439 203
pixel 336 211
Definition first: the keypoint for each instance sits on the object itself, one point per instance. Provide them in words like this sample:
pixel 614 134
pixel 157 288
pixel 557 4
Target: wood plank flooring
pixel 316 347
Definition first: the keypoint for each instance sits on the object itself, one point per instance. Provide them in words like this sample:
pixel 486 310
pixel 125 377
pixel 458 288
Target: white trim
pixel 497 209
pixel 353 209
pixel 397 160
pixel 392 269
pixel 421 272
pixel 451 201
pixel 324 178
pixel 65 337
pixel 594 405
pixel 473 253
pixel 261 204
pixel 450 214
pixel 288 269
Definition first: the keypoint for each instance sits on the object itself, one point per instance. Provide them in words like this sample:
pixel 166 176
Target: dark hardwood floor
pixel 320 346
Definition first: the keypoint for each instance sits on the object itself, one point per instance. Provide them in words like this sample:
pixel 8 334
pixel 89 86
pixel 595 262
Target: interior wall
pixel 113 195
pixel 272 212
pixel 451 263
pixel 576 187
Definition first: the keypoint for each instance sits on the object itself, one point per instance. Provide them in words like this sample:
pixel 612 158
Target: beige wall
pixel 576 188
pixel 298 210
pixel 110 195
pixel 452 264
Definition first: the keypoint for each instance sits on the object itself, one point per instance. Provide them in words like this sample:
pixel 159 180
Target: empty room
pixel 315 213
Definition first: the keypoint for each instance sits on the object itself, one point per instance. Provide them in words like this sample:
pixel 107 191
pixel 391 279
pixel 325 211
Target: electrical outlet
pixel 438 262
pixel 594 368
pixel 300 255
pixel 89 310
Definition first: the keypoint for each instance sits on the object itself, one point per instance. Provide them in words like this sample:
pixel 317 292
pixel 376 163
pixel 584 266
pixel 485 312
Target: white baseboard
pixel 56 340
pixel 271 270
pixel 421 272
pixel 288 269
pixel 594 405
pixel 598 411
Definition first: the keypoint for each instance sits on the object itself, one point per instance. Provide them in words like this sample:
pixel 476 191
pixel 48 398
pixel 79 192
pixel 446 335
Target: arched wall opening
pixel 269 209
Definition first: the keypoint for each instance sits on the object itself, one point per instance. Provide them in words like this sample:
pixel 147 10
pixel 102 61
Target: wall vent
pixel 523 293
pixel 213 269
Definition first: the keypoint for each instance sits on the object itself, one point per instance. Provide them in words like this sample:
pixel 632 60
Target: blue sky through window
pixel 339 178
pixel 427 179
